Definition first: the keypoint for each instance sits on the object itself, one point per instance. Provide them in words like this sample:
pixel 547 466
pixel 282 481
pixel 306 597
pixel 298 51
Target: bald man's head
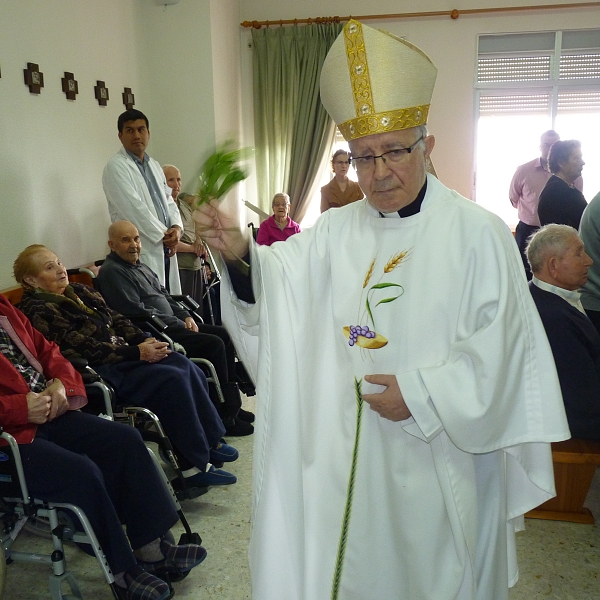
pixel 124 240
pixel 173 177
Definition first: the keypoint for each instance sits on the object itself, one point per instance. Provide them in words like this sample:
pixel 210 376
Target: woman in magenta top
pixel 278 227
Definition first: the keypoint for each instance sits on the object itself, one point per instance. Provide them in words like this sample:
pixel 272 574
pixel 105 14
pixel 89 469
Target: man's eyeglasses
pixel 363 163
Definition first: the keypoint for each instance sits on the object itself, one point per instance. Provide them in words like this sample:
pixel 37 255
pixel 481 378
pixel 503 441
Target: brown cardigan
pixel 333 197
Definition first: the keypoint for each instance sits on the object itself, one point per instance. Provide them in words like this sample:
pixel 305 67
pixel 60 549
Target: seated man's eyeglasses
pixel 398 155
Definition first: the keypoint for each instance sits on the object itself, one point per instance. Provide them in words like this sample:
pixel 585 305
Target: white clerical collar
pixel 573 298
pixel 392 215
pixel 375 212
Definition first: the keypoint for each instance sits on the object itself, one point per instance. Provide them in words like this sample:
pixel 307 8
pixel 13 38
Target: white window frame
pixel 554 85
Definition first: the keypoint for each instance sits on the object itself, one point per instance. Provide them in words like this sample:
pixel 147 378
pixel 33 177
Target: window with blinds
pixel 525 84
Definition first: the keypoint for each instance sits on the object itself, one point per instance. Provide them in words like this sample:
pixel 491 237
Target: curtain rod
pixel 453 14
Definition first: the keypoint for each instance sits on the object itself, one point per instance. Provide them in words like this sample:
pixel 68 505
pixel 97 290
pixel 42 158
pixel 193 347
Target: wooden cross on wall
pixel 33 78
pixel 69 86
pixel 128 98
pixel 101 93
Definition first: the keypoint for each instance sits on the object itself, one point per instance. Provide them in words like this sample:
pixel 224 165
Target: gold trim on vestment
pixel 393 120
pixel 358 69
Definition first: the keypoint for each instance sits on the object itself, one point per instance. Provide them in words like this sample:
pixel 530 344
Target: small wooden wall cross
pixel 69 86
pixel 33 78
pixel 128 98
pixel 101 93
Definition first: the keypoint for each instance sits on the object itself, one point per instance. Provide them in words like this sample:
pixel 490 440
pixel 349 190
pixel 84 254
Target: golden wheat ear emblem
pixel 364 337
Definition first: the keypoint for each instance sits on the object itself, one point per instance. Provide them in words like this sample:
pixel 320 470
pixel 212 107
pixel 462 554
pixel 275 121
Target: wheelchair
pixel 102 401
pixel 155 325
pixel 18 509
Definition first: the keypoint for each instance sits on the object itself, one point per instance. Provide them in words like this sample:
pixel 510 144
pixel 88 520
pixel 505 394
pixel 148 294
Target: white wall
pixel 227 82
pixel 176 50
pixel 52 150
pixel 451 44
pixel 180 61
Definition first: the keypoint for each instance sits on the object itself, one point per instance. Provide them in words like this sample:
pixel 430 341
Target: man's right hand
pixel 152 351
pixel 221 230
pixel 38 407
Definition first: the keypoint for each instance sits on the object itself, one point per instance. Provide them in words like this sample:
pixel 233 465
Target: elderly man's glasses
pixel 363 163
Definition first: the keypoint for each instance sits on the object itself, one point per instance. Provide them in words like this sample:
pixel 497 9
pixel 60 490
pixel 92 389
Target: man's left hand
pixel 191 324
pixel 172 236
pixel 60 404
pixel 390 403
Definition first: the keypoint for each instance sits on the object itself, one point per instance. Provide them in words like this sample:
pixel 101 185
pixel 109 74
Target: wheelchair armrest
pixel 189 304
pixel 154 325
pixel 83 368
pixel 156 322
pixel 79 363
pixel 187 300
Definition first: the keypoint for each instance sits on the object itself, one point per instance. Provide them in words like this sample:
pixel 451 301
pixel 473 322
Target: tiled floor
pixel 558 561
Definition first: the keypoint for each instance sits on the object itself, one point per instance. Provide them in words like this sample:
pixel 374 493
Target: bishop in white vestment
pixel 410 485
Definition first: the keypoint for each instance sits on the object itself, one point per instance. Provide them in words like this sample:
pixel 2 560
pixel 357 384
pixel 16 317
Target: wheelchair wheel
pixel 40 526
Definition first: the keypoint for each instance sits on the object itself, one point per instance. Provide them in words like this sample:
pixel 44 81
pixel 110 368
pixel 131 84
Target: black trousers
pixel 105 469
pixel 175 389
pixel 522 234
pixel 214 344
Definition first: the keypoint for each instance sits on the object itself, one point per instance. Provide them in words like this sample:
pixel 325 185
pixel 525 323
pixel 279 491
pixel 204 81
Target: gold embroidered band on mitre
pixel 358 69
pixel 393 120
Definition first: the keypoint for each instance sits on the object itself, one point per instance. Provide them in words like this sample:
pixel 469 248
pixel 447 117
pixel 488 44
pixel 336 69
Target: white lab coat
pixel 129 199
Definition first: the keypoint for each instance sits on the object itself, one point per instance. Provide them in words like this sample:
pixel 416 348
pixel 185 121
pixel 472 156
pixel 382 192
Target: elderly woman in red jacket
pixel 74 457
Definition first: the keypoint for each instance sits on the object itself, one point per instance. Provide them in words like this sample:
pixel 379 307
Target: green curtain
pixel 293 132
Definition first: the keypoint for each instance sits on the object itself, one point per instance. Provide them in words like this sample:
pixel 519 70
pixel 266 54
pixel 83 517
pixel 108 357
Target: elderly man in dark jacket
pixel 560 265
pixel 131 288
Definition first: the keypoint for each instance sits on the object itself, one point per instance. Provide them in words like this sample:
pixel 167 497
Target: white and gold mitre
pixel 373 81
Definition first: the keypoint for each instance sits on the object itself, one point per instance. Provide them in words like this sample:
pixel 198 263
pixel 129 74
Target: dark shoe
pixel 143 586
pixel 178 560
pixel 211 477
pixel 247 388
pixel 243 379
pixel 190 492
pixel 237 427
pixel 223 453
pixel 245 415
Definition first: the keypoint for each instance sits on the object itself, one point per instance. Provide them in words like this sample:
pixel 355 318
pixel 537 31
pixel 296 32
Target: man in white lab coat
pixel 136 191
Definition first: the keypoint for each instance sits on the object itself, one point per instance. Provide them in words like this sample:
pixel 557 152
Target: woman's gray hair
pixel 550 240
pixel 281 195
pixel 560 153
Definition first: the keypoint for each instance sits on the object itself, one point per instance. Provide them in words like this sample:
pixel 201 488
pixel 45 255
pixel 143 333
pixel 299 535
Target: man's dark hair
pixel 560 153
pixel 131 115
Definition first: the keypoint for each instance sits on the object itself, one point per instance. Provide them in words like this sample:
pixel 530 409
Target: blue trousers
pixel 103 468
pixel 175 389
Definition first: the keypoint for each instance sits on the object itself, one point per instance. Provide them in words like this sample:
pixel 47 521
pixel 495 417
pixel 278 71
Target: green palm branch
pixel 221 171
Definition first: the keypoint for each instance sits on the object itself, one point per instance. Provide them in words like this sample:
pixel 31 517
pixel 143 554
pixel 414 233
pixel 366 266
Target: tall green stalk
pixel 339 563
